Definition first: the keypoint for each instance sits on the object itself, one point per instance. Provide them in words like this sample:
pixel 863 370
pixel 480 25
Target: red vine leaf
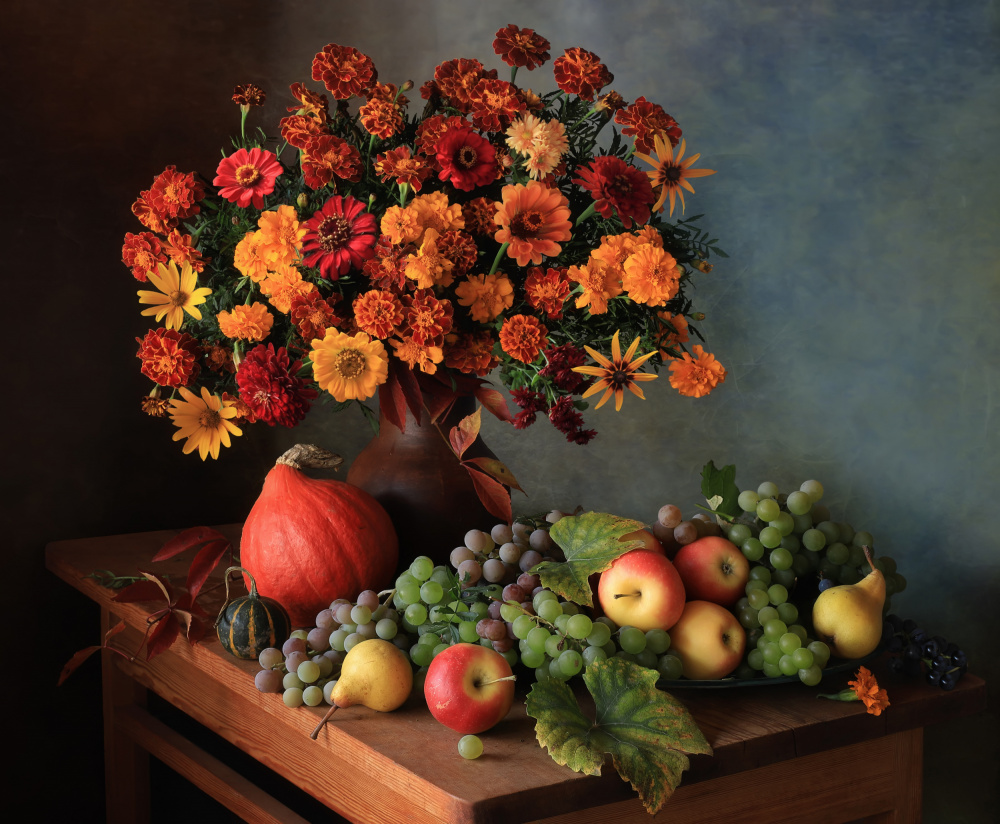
pixel 163 634
pixel 188 538
pixel 204 562
pixel 496 469
pixel 495 402
pixel 494 495
pixel 462 436
pixel 140 591
pixel 391 402
pixel 78 658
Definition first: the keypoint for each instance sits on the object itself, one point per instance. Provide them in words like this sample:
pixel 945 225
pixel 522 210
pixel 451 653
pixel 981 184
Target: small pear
pixel 375 674
pixel 848 618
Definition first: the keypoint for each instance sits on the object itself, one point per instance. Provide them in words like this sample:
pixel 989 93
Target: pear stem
pixel 868 556
pixel 315 733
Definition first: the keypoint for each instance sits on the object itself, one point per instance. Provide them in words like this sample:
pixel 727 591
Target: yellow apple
pixel 708 639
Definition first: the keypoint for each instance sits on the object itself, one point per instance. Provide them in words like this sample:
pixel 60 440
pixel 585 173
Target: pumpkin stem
pixel 309 456
pixel 315 733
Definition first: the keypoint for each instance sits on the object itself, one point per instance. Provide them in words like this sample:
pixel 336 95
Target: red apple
pixel 641 589
pixel 708 639
pixel 469 688
pixel 649 541
pixel 713 569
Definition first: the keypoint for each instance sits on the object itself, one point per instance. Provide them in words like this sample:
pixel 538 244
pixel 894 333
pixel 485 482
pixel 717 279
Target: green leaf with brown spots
pixel 648 733
pixel 590 542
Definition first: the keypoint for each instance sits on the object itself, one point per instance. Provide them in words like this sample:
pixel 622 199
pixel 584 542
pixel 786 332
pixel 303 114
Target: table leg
pixel 126 765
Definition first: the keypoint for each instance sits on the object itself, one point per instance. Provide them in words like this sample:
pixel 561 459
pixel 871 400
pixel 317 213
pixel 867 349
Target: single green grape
pixel 312 696
pixel 509 612
pixel 766 614
pixel 811 676
pixel 470 747
pixel 599 634
pixel 360 614
pixel 532 658
pixel 813 540
pixel 308 672
pixel 768 509
pixel 591 654
pixel 803 657
pixel 752 549
pixel 292 696
pixel 774 629
pixel 787 612
pixel 570 662
pixel 760 572
pixel 421 567
pixel 561 621
pixel 553 646
pixel 787 665
pixel 780 558
pixel 522 625
pixel 579 626
pixel 631 639
pixel 386 629
pixel 758 598
pixel 657 641
pixel 431 592
pixel 409 593
pixel 784 523
pixel 647 658
pixel 748 500
pixel 798 502
pixel 421 654
pixel 549 610
pixel 537 638
pixel 416 614
pixel 755 658
pixel 789 642
pixel 738 533
pixel 814 489
pixel 770 653
pixel 820 651
pixel 291 680
pixel 777 594
pixel 670 666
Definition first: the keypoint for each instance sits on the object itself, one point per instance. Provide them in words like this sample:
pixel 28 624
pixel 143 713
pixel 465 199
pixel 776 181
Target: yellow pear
pixel 375 674
pixel 849 617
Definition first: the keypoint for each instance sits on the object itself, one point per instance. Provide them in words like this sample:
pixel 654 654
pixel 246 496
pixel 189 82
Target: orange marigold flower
pixel 428 267
pixel 180 249
pixel 327 156
pixel 246 322
pixel 581 72
pixel 344 71
pixel 281 236
pixel 403 167
pixel 478 214
pixel 283 285
pixel 534 220
pixel 312 315
pixel 614 250
pixel 141 253
pixel 154 406
pixel 415 354
pixel 671 332
pixel 670 173
pixel 644 120
pixel 390 93
pixel 521 47
pixel 600 283
pixel 866 688
pixel 378 313
pixel 401 225
pixel 174 195
pixel 651 276
pixel 493 104
pixel 471 353
pixel 427 319
pixel 697 376
pixel 246 176
pixel 485 295
pixel 149 217
pixel 247 94
pixel 248 257
pixel 169 357
pixel 433 211
pixel 455 79
pixel 547 290
pixel 298 129
pixel 310 103
pixel 523 337
pixel 381 118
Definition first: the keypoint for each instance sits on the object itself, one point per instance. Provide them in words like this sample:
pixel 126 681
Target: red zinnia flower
pixel 581 72
pixel 169 357
pixel 269 387
pixel 340 235
pixel 521 47
pixel 643 120
pixel 344 70
pixel 616 186
pixel 466 159
pixel 246 176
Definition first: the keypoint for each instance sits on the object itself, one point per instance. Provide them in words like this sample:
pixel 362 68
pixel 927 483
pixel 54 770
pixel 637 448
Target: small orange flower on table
pixel 863 688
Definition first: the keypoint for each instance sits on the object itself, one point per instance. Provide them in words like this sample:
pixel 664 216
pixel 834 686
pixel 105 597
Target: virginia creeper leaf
pixel 591 543
pixel 492 400
pixel 648 733
pixel 720 490
pixel 204 562
pixel 462 436
pixel 188 538
pixel 496 469
pixel 495 498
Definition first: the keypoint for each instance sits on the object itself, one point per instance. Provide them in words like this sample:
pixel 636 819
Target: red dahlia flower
pixel 340 235
pixel 466 159
pixel 616 186
pixel 246 176
pixel 269 387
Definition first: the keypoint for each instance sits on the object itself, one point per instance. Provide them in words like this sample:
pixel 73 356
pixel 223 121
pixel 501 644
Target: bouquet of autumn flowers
pixel 370 251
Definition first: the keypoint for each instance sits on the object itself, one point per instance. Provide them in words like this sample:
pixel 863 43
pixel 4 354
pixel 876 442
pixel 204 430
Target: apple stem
pixel 315 733
pixel 497 680
pixel 627 594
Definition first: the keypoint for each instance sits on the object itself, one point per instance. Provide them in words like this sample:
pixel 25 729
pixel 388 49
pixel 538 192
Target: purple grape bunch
pixel 914 652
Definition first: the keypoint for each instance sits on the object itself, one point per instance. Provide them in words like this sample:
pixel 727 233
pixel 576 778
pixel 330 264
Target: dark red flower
pixel 467 159
pixel 531 404
pixel 339 236
pixel 344 71
pixel 169 357
pixel 268 385
pixel 521 47
pixel 618 187
pixel 560 361
pixel 569 421
pixel 581 72
pixel 643 120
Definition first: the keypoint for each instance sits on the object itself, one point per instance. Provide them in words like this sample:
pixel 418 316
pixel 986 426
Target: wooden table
pixel 825 761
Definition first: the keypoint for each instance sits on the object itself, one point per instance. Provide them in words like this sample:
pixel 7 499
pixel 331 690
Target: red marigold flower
pixel 381 118
pixel 467 159
pixel 268 385
pixel 560 361
pixel 174 195
pixel 427 319
pixel 169 357
pixel 246 176
pixel 478 214
pixel 521 47
pixel 387 269
pixel 390 93
pixel 642 120
pixel 312 315
pixel 460 249
pixel 247 94
pixel 547 290
pixel 457 78
pixel 141 253
pixel 611 103
pixel 618 187
pixel 339 236
pixel 310 103
pixel 327 156
pixel 378 313
pixel 581 72
pixel 179 246
pixel 431 130
pixel 569 421
pixel 298 129
pixel 471 352
pixel 523 337
pixel 344 71
pixel 403 167
pixel 149 217
pixel 493 104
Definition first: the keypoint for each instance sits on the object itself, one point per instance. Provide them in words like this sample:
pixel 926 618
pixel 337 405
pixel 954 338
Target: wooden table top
pixel 371 762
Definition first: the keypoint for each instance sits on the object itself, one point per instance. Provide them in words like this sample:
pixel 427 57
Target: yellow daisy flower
pixel 179 293
pixel 204 422
pixel 349 367
pixel 618 374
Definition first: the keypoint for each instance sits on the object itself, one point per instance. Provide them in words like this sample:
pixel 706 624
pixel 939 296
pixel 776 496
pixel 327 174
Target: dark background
pixel 855 145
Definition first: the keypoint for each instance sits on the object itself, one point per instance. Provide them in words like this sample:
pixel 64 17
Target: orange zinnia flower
pixel 523 337
pixel 618 374
pixel 866 688
pixel 671 173
pixel 534 220
pixel 697 376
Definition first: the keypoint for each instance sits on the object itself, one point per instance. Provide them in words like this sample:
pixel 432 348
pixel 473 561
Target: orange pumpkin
pixel 309 541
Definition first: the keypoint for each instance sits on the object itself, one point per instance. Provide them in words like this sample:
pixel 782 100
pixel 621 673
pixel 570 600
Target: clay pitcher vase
pixel 421 484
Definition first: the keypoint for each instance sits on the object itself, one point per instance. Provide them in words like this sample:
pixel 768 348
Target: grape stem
pixel 315 733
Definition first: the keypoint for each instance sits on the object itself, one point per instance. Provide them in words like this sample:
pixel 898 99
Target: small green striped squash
pixel 252 623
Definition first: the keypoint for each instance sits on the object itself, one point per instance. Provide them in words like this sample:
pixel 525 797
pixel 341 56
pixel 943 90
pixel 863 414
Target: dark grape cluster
pixel 913 652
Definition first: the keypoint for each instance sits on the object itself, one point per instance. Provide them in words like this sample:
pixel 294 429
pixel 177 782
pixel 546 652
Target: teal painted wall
pixel 856 194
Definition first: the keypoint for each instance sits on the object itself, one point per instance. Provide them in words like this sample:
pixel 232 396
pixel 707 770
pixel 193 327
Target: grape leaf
pixel 648 733
pixel 591 543
pixel 720 490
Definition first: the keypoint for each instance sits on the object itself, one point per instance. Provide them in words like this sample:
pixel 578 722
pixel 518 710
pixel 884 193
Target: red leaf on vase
pixel 493 494
pixel 498 470
pixel 462 436
pixel 391 402
pixel 495 402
